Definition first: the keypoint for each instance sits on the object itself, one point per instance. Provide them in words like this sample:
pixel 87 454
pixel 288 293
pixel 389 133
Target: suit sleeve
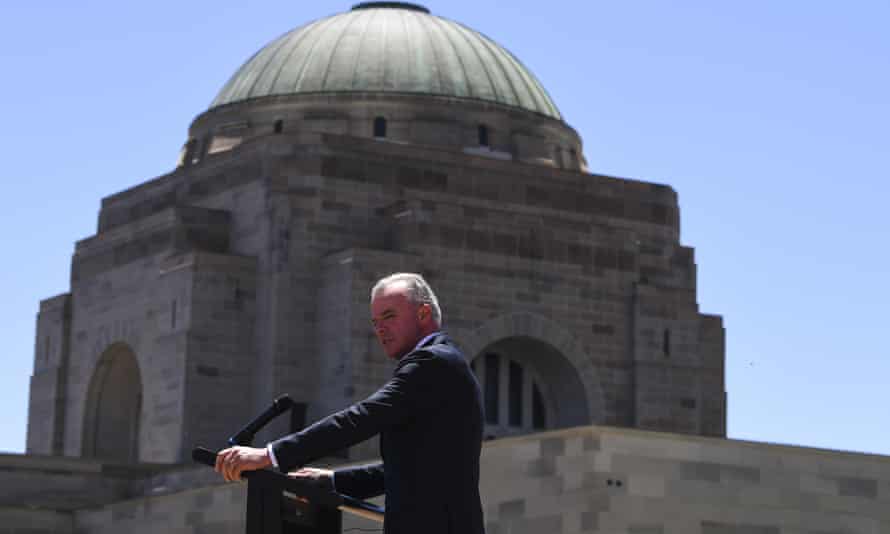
pixel 362 482
pixel 415 389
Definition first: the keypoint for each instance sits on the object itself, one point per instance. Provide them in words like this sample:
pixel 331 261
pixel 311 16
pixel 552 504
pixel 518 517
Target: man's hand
pixel 231 462
pixel 323 478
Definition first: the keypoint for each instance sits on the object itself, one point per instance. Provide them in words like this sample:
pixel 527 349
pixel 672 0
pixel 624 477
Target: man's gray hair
pixel 419 291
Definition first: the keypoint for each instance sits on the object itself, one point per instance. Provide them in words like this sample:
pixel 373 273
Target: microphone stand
pixel 245 435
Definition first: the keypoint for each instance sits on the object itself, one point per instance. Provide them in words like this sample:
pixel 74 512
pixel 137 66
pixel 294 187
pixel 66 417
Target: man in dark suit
pixel 429 417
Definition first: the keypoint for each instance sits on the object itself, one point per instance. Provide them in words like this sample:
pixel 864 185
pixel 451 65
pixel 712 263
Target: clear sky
pixel 770 119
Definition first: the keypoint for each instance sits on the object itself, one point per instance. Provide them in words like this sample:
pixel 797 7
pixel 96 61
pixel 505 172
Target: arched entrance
pixel 528 386
pixel 114 404
pixel 571 370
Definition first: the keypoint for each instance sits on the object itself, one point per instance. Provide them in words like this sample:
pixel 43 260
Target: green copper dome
pixel 388 47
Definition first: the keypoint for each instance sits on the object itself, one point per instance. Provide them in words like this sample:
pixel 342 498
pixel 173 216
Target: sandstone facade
pixel 247 276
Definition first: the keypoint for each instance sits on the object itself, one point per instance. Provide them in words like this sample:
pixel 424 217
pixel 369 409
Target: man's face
pixel 397 320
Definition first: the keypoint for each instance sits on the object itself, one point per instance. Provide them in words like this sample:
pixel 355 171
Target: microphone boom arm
pixel 245 435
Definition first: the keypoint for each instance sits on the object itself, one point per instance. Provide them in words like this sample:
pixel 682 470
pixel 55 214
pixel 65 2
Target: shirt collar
pixel 427 338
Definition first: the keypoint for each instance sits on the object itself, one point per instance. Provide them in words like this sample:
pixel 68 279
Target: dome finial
pixel 390 5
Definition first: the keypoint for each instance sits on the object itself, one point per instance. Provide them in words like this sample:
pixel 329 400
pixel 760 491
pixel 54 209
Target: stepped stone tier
pixel 390 139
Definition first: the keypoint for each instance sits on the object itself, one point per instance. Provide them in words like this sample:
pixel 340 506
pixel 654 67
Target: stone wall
pixel 144 308
pixel 591 480
pixel 442 122
pixel 608 480
pixel 219 352
pixel 46 406
pixel 599 480
pixel 43 494
pixel 164 287
pixel 589 267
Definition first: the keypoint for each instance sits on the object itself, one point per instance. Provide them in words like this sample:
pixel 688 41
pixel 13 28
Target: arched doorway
pixel 114 405
pixel 528 386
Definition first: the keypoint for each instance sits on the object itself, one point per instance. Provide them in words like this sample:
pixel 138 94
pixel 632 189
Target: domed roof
pixel 388 47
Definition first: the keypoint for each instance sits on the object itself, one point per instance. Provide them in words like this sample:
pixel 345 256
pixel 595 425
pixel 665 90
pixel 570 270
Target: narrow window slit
pixel 483 135
pixel 492 388
pixel 380 127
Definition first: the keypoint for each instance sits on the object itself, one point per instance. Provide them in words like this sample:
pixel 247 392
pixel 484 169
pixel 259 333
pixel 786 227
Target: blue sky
pixel 770 119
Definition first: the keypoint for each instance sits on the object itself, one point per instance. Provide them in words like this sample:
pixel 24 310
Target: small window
pixel 539 417
pixel 515 401
pixel 492 389
pixel 201 149
pixel 379 127
pixel 557 158
pixel 279 126
pixel 483 135
pixel 173 314
pixel 666 343
pixel 511 394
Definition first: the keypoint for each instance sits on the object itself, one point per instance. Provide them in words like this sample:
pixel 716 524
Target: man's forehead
pixel 397 288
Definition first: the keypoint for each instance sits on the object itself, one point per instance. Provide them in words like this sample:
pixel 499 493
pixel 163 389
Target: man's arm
pixel 361 482
pixel 414 389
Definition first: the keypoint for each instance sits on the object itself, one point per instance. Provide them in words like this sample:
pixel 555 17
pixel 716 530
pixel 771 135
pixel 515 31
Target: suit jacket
pixel 429 418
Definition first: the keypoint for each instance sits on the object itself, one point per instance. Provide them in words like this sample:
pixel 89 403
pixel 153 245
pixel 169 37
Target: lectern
pixel 278 504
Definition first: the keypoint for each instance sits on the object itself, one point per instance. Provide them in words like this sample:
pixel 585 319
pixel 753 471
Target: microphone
pixel 204 456
pixel 246 434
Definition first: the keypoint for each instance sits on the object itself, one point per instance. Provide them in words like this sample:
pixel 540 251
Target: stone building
pixel 379 140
